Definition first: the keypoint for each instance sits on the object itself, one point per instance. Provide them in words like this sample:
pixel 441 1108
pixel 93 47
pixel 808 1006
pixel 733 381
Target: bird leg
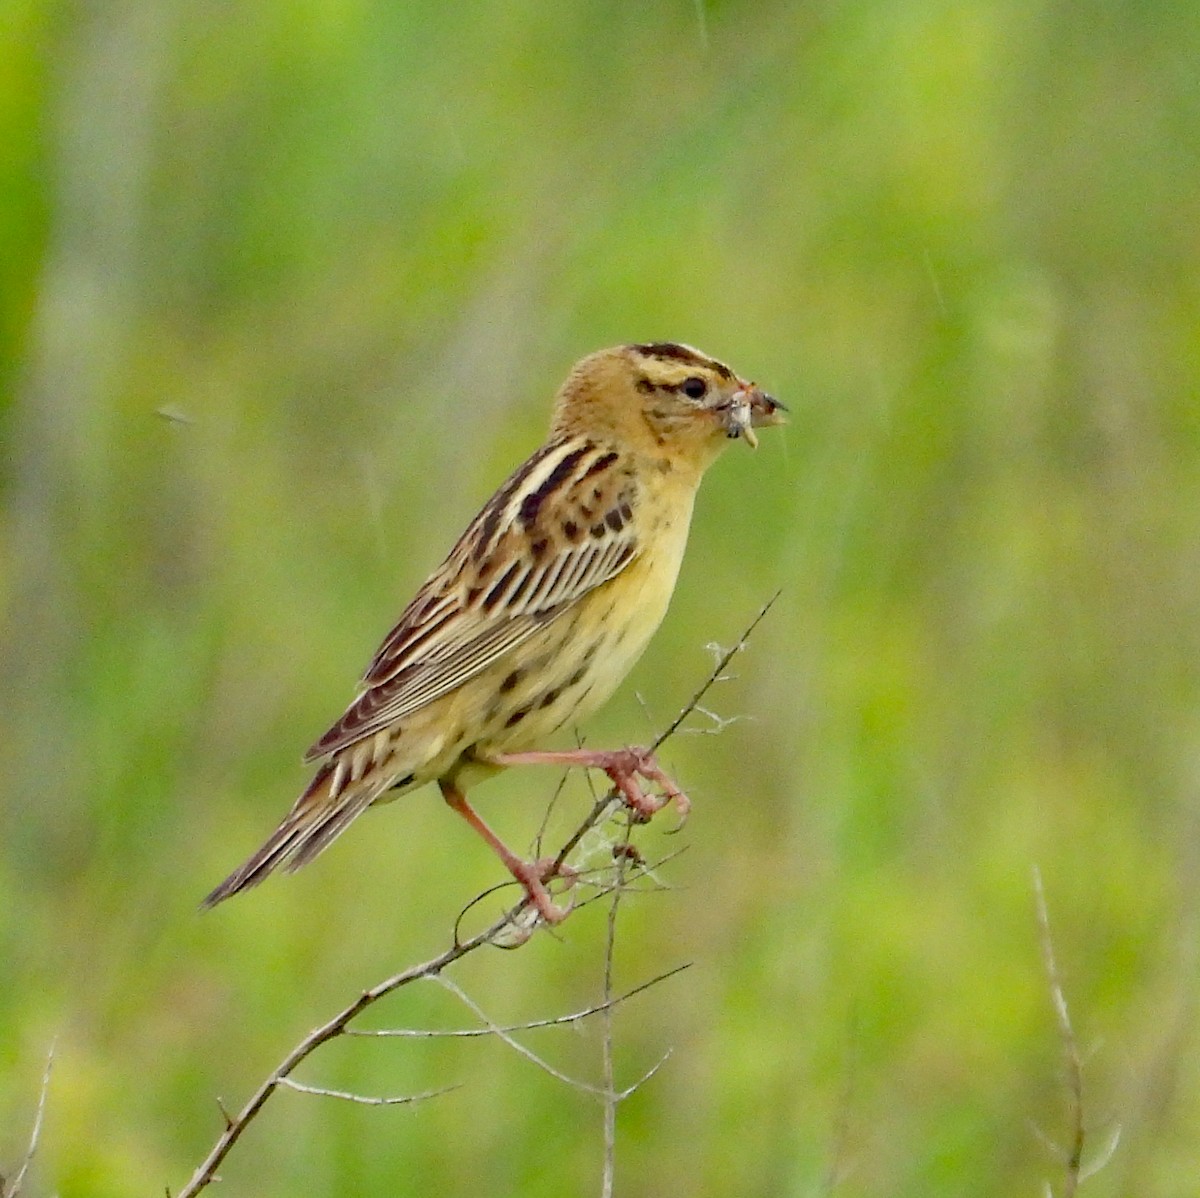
pixel 531 874
pixel 623 766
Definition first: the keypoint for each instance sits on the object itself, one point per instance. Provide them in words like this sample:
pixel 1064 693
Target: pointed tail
pixel 320 815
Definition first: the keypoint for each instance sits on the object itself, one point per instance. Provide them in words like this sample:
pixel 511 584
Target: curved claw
pixel 533 876
pixel 625 766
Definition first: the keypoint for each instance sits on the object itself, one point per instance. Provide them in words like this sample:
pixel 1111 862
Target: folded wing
pixel 557 529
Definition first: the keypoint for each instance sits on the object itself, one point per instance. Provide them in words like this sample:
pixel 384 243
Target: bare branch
pixel 236 1125
pixel 510 930
pixel 715 674
pixel 13 1188
pixel 363 1099
pixel 550 806
pixel 620 1095
pixel 608 1073
pixel 530 1025
pixel 515 1044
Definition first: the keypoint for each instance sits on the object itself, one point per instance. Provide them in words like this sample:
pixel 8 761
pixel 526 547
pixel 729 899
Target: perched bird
pixel 538 612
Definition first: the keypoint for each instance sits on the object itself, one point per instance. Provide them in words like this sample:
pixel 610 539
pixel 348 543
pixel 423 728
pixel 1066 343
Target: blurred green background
pixel 285 290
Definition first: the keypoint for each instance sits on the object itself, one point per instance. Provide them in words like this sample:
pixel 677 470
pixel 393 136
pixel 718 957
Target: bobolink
pixel 538 612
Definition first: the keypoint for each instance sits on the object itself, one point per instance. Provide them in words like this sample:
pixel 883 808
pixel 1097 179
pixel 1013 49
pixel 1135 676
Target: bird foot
pixel 533 876
pixel 625 767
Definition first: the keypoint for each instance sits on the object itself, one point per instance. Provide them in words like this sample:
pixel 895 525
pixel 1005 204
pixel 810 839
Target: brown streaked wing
pixel 476 608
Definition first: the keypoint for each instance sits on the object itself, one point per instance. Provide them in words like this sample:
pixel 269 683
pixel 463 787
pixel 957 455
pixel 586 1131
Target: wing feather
pixel 538 547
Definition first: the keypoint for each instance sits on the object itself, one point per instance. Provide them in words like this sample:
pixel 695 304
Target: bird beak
pixel 749 408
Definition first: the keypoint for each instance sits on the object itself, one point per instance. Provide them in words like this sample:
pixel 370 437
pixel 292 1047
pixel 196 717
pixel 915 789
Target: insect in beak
pixel 748 408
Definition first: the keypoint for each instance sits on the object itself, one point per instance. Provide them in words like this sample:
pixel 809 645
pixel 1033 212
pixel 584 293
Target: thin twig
pixel 237 1124
pixel 363 1099
pixel 1073 1156
pixel 1102 1158
pixel 553 1021
pixel 606 1041
pixel 646 871
pixel 540 837
pixel 515 1044
pixel 13 1188
pixel 714 674
pixel 620 1095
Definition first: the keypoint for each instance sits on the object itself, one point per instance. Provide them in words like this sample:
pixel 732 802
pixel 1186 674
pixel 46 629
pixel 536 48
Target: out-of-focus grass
pixel 350 250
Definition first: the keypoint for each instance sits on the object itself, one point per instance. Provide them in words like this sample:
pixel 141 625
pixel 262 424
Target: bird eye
pixel 694 388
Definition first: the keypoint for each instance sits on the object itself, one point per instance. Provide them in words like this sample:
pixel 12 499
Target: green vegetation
pixel 349 250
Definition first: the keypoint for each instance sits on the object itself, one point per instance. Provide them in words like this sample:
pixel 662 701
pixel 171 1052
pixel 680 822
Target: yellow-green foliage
pixel 285 289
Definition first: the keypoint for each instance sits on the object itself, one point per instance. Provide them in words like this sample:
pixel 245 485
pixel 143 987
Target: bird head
pixel 665 399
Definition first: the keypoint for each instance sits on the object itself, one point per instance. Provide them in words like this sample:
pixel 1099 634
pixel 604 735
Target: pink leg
pixel 531 874
pixel 623 766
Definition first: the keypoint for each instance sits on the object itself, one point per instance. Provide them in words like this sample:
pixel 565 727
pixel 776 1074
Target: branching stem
pixel 514 925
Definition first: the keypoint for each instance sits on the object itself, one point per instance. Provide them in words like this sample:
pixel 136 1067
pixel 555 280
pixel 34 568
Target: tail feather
pixel 320 815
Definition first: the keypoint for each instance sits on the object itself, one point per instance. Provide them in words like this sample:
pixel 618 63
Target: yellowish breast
pixel 626 612
pixel 570 669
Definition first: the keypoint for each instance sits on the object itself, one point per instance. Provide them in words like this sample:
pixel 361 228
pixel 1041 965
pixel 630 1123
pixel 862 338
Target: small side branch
pixel 1075 1172
pixel 236 1125
pixel 611 1099
pixel 714 676
pixel 1073 1067
pixel 419 1033
pixel 362 1099
pixel 11 1189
